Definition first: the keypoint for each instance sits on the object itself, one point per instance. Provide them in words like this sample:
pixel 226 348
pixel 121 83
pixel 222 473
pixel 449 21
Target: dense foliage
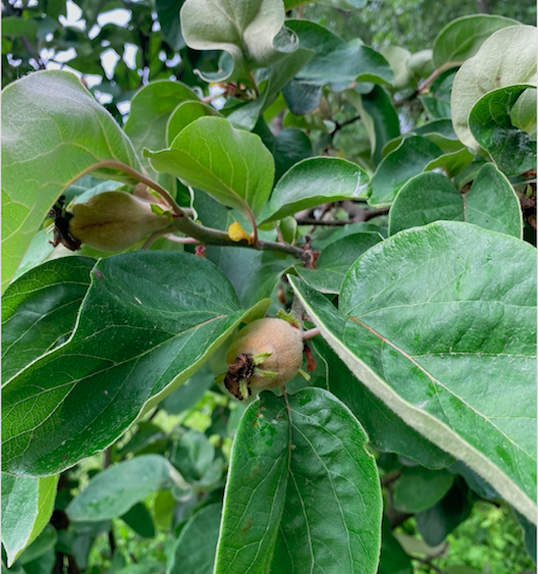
pixel 381 204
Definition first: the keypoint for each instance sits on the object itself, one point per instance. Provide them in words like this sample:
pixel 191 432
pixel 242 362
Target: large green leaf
pixel 385 430
pixel 407 160
pixel 27 504
pixel 335 60
pixel 250 31
pixel 335 260
pixel 491 202
pixel 438 322
pixel 510 147
pixel 168 13
pixel 460 39
pixel 39 310
pixel 506 58
pixel 148 321
pixel 52 130
pixel 194 551
pixel 117 489
pixel 302 494
pixel 151 108
pixel 231 165
pixel 315 181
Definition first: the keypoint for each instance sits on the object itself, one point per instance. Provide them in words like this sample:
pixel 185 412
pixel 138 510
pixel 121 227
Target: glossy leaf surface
pixel 39 310
pixel 385 430
pixel 27 504
pixel 512 149
pixel 336 61
pixel 233 166
pixel 491 202
pixel 315 181
pixel 52 130
pixel 409 159
pixel 292 505
pixel 419 488
pixel 432 305
pixel 148 322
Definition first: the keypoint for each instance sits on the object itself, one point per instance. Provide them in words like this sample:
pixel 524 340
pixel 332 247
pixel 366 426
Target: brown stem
pixel 436 74
pixel 310 334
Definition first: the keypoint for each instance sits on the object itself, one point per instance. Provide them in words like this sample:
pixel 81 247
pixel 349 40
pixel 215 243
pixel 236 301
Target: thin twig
pixel 310 334
pixel 446 66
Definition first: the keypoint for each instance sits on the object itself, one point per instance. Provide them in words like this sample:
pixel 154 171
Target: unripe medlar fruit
pixel 109 221
pixel 266 354
pixel 114 221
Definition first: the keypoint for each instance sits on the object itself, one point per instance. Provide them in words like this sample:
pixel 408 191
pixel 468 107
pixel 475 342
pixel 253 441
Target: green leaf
pixel 451 163
pixel 192 455
pixel 252 32
pixel 39 310
pixel 491 203
pixel 27 504
pixel 394 559
pixel 315 181
pixel 397 58
pixel 52 130
pixel 168 13
pixel 335 60
pixel 440 520
pixel 151 108
pixel 378 116
pixel 506 58
pixel 195 548
pixel 148 322
pixel 436 108
pixel 302 97
pixel 140 520
pixel 286 503
pixel 419 488
pixel 291 146
pixel 183 115
pixel 461 39
pixel 44 542
pixel 523 113
pixel 190 392
pixel 17 26
pixel 233 166
pixel 335 260
pixel 407 160
pixel 437 322
pixel 385 430
pixel 117 489
pixel 510 147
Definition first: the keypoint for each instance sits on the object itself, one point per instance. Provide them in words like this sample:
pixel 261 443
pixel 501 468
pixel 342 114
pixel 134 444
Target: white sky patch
pixel 173 61
pixel 65 56
pixel 103 98
pixel 156 24
pixel 129 56
pixel 120 17
pixel 94 31
pixel 73 17
pixel 109 59
pixel 49 37
pixel 215 90
pixel 124 107
pixel 162 56
pixel 92 80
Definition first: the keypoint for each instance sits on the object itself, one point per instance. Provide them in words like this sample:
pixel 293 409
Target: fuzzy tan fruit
pixel 266 354
pixel 114 221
